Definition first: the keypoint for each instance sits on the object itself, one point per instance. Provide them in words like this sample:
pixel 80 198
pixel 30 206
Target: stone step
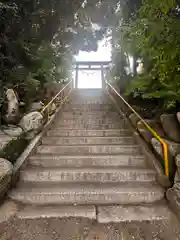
pixel 37 212
pixel 125 193
pixel 88 133
pixel 83 175
pixel 68 109
pixel 89 94
pixel 89 126
pixel 89 109
pixel 120 213
pixel 89 106
pixel 90 115
pixel 88 149
pixel 87 161
pixel 88 121
pixel 105 214
pixel 87 118
pixel 79 99
pixel 87 140
pixel 90 100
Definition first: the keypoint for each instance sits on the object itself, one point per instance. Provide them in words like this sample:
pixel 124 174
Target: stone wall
pixel 168 128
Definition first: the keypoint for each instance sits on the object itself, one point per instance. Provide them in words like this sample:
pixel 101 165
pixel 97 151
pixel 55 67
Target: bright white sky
pixel 90 79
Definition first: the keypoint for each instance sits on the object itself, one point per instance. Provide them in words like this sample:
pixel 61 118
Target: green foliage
pixel 153 35
pixel 38 40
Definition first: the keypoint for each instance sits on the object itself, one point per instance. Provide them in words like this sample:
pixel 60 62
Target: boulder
pixel 6 169
pixel 176 178
pixel 178 161
pixel 31 134
pixel 12 116
pixel 173 150
pixel 171 126
pixel 4 140
pixel 31 121
pixel 52 108
pixel 178 116
pixel 145 133
pixel 173 197
pixel 173 147
pixel 133 119
pixel 12 130
pixel 36 106
pixel 22 104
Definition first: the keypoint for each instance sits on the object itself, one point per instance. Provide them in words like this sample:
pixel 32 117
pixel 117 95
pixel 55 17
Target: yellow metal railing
pixel 164 144
pixel 46 107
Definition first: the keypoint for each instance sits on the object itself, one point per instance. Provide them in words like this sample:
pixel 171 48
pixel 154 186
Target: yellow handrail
pixel 164 144
pixel 52 100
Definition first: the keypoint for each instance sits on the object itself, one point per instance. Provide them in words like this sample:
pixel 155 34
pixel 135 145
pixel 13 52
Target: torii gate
pixel 92 65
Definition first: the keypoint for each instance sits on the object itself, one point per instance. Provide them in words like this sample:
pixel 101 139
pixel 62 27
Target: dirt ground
pixel 85 229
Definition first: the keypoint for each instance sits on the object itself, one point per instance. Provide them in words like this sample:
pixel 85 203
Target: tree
pixel 38 40
pixel 156 34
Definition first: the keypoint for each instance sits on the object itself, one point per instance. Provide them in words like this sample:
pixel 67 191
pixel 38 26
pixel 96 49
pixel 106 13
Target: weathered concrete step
pixel 87 140
pixel 88 121
pixel 87 161
pixel 105 214
pixel 88 149
pixel 83 101
pixel 120 213
pixel 92 175
pixel 89 110
pixel 95 106
pixel 89 126
pixel 69 109
pixel 86 133
pixel 90 100
pixel 124 193
pixel 37 212
pixel 90 115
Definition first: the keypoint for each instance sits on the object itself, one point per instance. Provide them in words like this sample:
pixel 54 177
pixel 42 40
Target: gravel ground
pixel 85 229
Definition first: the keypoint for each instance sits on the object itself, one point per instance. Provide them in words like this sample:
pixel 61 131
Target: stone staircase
pixel 88 164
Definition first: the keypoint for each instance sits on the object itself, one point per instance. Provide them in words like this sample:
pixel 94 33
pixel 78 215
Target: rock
pixel 4 140
pixel 12 130
pixel 173 197
pixel 36 106
pixel 140 68
pixel 173 147
pixel 31 121
pixel 12 116
pixel 22 104
pixel 31 134
pixel 134 119
pixel 176 177
pixel 6 169
pixel 173 150
pixel 178 116
pixel 145 133
pixel 171 126
pixel 52 108
pixel 178 160
pixel 157 146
